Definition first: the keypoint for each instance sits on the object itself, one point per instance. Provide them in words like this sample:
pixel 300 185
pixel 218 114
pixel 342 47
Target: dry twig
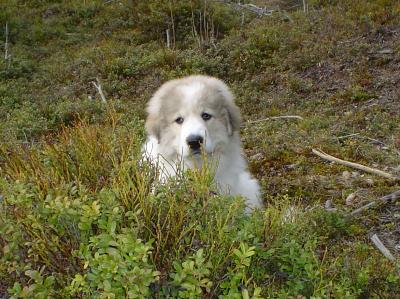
pixel 382 248
pixel 7 55
pixel 305 6
pixel 348 135
pixel 275 117
pixel 260 11
pixel 99 89
pixel 6 44
pixel 168 39
pixel 392 197
pixel 354 165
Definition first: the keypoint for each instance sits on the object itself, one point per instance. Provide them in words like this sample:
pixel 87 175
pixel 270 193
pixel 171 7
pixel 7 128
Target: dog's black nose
pixel 194 142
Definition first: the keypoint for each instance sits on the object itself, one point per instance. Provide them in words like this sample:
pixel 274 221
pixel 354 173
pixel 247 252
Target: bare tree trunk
pixel 305 6
pixel 6 44
pixel 168 39
pixel 173 26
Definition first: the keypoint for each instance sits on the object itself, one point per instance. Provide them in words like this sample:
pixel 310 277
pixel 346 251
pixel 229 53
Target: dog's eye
pixel 206 116
pixel 179 120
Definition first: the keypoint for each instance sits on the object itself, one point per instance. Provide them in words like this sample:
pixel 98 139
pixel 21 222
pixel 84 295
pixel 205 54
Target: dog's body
pixel 194 119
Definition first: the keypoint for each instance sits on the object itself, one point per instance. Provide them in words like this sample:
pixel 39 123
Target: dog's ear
pixel 234 118
pixel 152 124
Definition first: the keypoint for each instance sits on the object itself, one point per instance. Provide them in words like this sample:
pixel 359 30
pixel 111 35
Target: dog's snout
pixel 194 142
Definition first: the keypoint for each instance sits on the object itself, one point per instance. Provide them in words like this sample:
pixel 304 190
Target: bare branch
pixel 6 55
pixel 305 6
pixel 274 117
pixel 260 11
pixel 99 89
pixel 392 197
pixel 171 45
pixel 355 165
pixel 382 248
pixel 194 30
pixel 168 39
pixel 6 43
pixel 348 135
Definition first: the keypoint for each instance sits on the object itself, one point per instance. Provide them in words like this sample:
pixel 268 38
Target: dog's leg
pixel 250 189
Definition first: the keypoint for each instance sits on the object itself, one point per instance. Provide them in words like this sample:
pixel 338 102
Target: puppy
pixel 195 119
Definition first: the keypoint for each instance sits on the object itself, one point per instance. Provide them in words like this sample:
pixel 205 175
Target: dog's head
pixel 192 114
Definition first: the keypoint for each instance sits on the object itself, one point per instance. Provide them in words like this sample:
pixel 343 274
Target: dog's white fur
pixel 189 98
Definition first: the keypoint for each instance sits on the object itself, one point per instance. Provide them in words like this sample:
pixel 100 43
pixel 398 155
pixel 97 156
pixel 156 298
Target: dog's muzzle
pixel 195 142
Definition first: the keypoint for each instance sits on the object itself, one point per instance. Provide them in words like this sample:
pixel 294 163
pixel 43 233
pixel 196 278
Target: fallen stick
pixel 260 11
pixel 6 44
pixel 99 89
pixel 347 136
pixel 392 197
pixel 275 117
pixel 382 248
pixel 354 165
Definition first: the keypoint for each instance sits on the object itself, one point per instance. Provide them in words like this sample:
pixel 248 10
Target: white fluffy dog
pixel 196 116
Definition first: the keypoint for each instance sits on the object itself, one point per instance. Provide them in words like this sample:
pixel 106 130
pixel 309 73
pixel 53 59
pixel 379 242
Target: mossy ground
pixel 75 203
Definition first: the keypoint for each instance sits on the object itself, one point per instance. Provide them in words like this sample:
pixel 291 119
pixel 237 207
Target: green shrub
pixel 118 267
pixel 16 68
pixel 39 288
pixel 239 277
pixel 191 276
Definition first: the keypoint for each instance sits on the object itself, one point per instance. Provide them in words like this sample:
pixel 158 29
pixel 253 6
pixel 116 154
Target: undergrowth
pixel 81 216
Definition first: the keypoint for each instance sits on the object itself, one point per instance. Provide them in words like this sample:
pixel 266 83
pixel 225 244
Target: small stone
pixel 346 175
pixel 328 204
pixel 350 199
pixel 385 51
pixel 369 181
pixel 257 157
pixel 291 166
pixel 48 13
pixel 348 113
